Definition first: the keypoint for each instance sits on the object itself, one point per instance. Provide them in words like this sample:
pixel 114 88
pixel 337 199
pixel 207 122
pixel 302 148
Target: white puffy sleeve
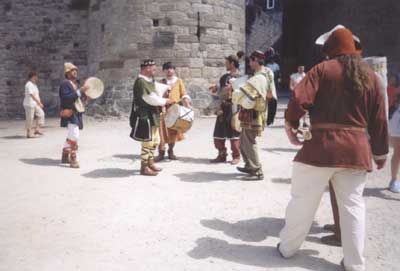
pixel 154 100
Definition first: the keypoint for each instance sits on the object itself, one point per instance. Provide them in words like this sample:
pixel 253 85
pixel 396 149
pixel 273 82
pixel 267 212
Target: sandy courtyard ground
pixel 194 216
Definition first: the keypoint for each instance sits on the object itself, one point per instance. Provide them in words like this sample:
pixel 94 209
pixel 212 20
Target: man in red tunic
pixel 349 130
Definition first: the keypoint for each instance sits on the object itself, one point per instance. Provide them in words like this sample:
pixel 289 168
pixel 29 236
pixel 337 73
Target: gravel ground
pixel 193 216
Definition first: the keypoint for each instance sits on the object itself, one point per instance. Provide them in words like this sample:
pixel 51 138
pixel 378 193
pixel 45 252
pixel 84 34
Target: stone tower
pixel 195 35
pixel 108 38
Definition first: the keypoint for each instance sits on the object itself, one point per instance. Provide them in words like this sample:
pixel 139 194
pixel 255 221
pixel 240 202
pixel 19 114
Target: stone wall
pixel 38 35
pixel 195 35
pixel 264 25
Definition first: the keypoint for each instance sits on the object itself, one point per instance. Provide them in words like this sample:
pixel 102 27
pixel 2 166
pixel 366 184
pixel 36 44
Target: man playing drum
pixel 145 116
pixel 223 129
pixel 176 93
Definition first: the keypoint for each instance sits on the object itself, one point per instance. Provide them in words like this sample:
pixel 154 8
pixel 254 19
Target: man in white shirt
pixel 33 107
pixel 296 78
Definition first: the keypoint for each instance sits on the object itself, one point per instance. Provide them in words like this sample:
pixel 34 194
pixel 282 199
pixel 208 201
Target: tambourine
pixel 95 87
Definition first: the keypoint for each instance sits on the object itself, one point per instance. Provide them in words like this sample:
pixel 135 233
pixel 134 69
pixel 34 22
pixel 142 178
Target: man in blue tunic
pixel 71 118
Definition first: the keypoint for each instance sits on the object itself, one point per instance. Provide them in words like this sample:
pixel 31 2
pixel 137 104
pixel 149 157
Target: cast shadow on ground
pixel 278 150
pixel 110 173
pixel 192 160
pixel 281 180
pixel 207 177
pixel 14 137
pixel 382 193
pixel 260 256
pixel 127 156
pixel 46 162
pixel 254 230
pixel 276 127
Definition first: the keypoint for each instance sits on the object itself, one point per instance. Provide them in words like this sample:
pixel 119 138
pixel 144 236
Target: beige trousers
pixel 32 114
pixel 308 185
pixel 249 149
pixel 148 148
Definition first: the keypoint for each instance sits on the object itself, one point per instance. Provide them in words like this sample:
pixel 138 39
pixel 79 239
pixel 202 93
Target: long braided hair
pixel 356 74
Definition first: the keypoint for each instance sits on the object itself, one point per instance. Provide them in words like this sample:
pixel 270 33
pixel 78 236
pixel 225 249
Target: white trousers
pixel 73 134
pixel 308 185
pixel 30 114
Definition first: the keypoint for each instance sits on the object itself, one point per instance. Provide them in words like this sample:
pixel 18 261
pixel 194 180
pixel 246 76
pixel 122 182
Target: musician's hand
pixel 186 102
pixel 41 105
pixel 228 87
pixel 220 113
pixel 269 95
pixel 84 88
pixel 292 135
pixel 380 164
pixel 170 101
pixel 213 88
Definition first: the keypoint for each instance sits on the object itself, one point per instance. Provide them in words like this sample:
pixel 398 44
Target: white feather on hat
pixel 324 37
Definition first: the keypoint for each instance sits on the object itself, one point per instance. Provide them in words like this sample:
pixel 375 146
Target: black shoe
pixel 329 227
pixel 331 240
pixel 254 177
pixel 245 170
pixel 258 174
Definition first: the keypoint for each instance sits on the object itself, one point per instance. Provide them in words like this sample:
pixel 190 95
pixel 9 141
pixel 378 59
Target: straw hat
pixel 69 67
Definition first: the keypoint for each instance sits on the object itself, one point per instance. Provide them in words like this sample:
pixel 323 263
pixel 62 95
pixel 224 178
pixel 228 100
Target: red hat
pixel 340 42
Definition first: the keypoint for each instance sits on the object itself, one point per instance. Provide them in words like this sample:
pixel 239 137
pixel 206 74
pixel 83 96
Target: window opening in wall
pixel 156 22
pixel 230 27
pixel 103 28
pixel 76 45
pixel 8 83
pixel 270 4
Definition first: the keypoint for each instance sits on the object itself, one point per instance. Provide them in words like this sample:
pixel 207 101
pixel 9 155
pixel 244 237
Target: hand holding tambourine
pixel 93 89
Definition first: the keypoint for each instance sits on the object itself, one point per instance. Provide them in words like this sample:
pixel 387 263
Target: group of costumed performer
pixel 146 116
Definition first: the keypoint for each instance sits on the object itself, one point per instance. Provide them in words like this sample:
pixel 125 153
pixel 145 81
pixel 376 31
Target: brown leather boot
pixel 160 157
pixel 73 162
pixel 221 158
pixel 153 166
pixel 65 156
pixel 145 170
pixel 171 154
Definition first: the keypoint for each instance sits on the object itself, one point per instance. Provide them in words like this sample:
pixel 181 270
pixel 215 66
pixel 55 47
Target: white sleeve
pixel 154 100
pixel 29 89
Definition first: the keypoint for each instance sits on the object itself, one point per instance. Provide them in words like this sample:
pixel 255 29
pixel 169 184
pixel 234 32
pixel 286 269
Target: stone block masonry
pixel 107 38
pixel 38 35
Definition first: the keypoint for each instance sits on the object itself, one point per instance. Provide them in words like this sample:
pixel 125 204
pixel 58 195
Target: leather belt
pixel 336 126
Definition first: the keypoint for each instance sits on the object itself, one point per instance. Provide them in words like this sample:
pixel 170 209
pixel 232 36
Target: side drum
pixel 179 118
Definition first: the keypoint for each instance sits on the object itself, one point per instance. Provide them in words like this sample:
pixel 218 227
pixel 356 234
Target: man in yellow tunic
pixel 177 94
pixel 253 119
